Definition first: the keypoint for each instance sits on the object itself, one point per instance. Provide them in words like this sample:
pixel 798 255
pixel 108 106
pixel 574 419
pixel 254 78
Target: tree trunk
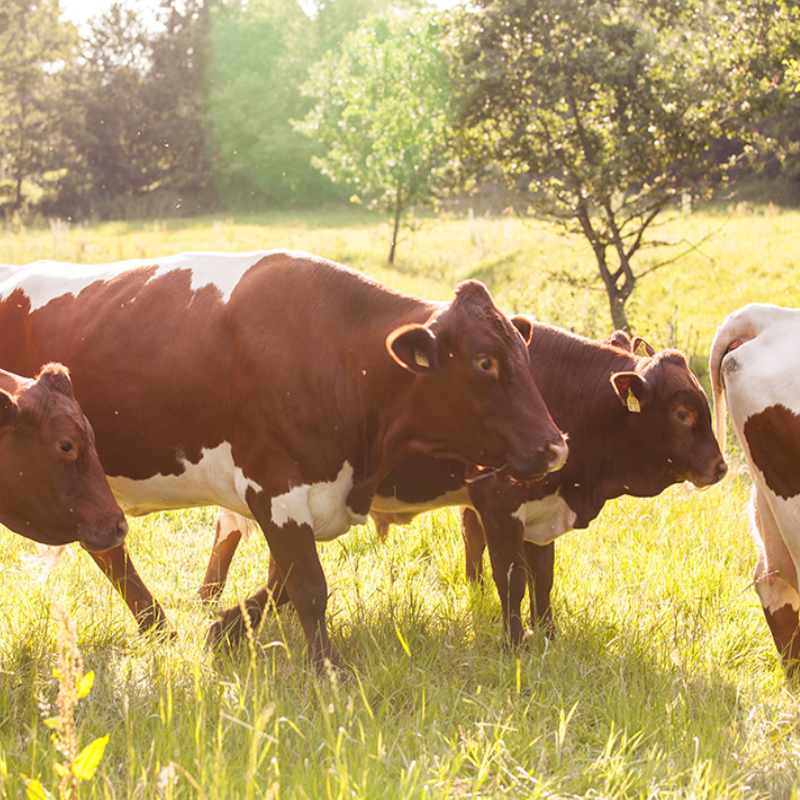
pixel 398 213
pixel 619 318
pixel 619 287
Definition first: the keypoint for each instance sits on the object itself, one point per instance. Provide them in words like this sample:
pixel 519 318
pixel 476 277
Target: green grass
pixel 662 682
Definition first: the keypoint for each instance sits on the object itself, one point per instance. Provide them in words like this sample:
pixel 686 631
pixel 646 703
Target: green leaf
pixel 88 759
pixel 85 684
pixel 35 791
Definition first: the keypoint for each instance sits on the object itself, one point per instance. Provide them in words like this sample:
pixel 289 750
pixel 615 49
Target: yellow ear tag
pixel 421 359
pixel 641 350
pixel 633 403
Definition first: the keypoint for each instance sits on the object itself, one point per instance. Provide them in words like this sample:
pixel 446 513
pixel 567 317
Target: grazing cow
pixel 52 487
pixel 637 421
pixel 755 366
pixel 278 385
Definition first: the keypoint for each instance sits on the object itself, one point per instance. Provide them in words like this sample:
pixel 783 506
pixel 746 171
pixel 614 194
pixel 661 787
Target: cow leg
pixel 118 567
pixel 541 560
pixel 226 540
pixel 474 544
pixel 276 586
pixel 299 573
pixel 232 626
pixel 509 570
pixel 776 584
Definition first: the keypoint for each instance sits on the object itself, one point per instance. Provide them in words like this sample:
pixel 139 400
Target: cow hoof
pixel 548 628
pixel 222 635
pixel 513 644
pixel 160 633
pixel 332 670
pixel 210 592
pixel 791 668
pixel 155 625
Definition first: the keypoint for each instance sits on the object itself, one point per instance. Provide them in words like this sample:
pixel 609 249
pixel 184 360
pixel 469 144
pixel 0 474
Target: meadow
pixel 662 681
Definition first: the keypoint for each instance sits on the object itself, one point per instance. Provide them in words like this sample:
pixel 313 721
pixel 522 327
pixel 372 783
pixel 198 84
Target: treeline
pixel 180 110
pixel 208 104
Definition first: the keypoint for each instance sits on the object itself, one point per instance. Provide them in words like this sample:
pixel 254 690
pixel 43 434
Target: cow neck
pixel 383 400
pixel 574 376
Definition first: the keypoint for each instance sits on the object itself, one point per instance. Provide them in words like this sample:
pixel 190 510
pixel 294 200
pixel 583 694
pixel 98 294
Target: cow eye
pixel 66 447
pixel 487 365
pixel 684 416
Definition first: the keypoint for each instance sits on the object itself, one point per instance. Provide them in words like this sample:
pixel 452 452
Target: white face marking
pixel 545 520
pixel 214 480
pixel 43 281
pixel 322 506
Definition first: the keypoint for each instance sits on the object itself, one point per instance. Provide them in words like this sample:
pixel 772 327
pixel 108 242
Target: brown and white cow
pixel 755 366
pixel 52 487
pixel 636 422
pixel 279 385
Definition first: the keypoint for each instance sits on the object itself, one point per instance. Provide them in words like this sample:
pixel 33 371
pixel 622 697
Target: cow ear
pixel 524 326
pixel 56 377
pixel 9 410
pixel 414 348
pixel 642 348
pixel 620 339
pixel 632 390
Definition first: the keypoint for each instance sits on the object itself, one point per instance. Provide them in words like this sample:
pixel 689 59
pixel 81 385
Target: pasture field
pixel 662 681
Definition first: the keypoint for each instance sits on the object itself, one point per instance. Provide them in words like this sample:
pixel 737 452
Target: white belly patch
pixel 322 506
pixel 214 480
pixel 546 520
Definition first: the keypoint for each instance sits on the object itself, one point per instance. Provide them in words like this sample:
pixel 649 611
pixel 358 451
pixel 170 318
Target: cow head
pixel 52 487
pixel 473 397
pixel 668 424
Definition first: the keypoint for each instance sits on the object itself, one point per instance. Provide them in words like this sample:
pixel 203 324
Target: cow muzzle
pixel 549 458
pixel 106 535
pixel 715 473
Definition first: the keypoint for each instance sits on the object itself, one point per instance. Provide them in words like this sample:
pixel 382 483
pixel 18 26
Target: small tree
pixel 608 110
pixel 382 114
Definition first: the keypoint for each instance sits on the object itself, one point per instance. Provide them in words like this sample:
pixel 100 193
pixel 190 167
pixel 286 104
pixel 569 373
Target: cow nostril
pixel 557 454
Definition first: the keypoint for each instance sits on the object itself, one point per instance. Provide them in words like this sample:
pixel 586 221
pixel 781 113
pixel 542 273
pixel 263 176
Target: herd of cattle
pixel 298 394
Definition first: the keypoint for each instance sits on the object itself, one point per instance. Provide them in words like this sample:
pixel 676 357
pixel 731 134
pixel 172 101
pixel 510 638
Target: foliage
pixel 382 114
pixel 137 127
pixel 608 112
pixel 73 686
pixel 259 57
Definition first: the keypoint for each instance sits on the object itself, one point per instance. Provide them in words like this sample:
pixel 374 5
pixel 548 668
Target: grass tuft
pixel 662 680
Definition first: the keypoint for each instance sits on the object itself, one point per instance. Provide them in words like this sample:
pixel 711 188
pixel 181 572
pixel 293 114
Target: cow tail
pixel 736 327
